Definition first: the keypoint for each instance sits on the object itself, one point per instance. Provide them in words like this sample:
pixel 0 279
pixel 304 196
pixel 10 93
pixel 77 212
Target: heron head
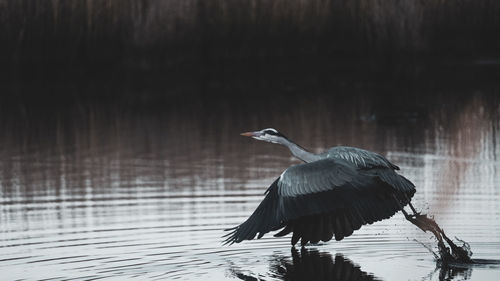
pixel 269 135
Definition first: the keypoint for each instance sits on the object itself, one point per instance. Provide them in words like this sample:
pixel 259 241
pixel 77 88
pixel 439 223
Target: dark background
pixel 146 54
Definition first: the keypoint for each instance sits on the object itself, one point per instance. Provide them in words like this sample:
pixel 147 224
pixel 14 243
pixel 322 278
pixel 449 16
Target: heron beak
pixel 249 134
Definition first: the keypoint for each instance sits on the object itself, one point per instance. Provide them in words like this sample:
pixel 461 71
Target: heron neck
pixel 300 152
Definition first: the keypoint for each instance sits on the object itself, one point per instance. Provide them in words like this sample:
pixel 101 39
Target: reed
pixel 157 33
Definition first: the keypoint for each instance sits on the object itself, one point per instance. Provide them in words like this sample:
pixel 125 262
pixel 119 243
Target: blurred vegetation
pixel 151 34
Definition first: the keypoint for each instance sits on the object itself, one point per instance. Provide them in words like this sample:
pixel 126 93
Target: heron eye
pixel 270 132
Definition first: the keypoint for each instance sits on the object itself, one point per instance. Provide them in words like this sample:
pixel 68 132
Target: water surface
pixel 125 195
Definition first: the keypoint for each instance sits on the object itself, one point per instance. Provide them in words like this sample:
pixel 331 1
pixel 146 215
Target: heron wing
pixel 328 186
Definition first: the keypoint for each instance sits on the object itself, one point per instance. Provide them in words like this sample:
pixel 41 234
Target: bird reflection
pixel 311 264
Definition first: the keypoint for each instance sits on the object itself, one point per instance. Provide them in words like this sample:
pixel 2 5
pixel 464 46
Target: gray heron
pixel 331 194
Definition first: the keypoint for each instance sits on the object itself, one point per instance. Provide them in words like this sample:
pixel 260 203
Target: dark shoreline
pixel 157 35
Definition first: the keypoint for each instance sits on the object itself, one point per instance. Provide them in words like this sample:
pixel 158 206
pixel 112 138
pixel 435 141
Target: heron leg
pixel 413 209
pixel 402 208
pixel 407 216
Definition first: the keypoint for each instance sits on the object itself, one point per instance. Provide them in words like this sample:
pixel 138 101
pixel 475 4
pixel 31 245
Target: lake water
pixel 119 195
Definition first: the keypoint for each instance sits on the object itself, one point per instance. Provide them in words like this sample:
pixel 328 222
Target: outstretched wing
pixel 315 188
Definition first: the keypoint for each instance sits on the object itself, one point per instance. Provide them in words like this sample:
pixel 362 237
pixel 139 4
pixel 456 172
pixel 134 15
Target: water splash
pixel 447 254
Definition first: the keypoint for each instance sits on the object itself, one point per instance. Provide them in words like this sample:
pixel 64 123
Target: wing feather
pixel 347 195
